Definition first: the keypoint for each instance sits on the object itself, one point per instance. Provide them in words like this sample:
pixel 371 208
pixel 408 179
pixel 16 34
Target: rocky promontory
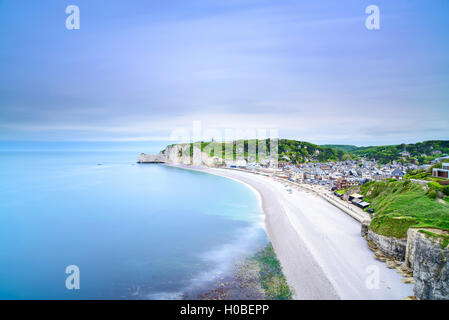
pixel 186 154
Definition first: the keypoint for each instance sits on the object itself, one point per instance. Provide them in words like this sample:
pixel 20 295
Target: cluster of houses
pixel 336 175
pixel 356 199
pixel 344 174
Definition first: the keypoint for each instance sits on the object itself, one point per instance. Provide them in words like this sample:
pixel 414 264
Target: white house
pixel 441 173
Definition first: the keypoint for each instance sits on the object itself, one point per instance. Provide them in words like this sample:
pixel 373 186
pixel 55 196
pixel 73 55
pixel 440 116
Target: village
pixel 333 177
pixel 336 175
pixel 330 179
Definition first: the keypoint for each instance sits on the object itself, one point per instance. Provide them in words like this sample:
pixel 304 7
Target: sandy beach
pixel 319 246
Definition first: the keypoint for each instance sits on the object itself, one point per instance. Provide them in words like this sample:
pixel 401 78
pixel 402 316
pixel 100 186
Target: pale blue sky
pixel 138 69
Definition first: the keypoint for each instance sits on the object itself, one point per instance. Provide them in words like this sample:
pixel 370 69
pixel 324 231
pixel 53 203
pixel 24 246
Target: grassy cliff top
pixel 400 205
pixel 295 151
pixel 288 150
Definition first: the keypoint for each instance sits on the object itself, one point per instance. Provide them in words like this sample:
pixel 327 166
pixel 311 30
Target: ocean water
pixel 135 231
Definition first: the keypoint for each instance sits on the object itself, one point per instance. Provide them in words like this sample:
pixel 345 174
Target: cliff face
pixel 150 158
pixel 390 246
pixel 177 154
pixel 424 256
pixel 180 154
pixel 429 263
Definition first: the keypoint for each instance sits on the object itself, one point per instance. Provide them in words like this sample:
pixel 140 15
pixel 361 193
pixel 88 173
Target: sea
pixel 85 221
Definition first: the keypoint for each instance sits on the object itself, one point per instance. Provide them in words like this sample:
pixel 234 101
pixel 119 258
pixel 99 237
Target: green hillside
pixel 300 151
pixel 399 205
pixel 342 147
pixel 296 152
pixel 288 150
pixel 422 152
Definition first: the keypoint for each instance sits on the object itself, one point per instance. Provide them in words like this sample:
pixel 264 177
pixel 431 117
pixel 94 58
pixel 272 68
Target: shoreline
pixel 258 277
pixel 318 245
pixel 312 276
pixel 290 250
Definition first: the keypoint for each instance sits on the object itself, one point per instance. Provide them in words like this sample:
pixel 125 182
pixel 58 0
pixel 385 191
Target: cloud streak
pixel 137 71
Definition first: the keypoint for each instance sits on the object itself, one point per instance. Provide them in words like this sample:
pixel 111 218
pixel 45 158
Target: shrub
pixel 446 190
pixel 438 165
pixel 432 194
pixel 435 186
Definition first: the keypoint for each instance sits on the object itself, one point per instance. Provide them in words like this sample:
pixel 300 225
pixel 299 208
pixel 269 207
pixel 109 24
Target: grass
pixel 271 277
pixel 392 226
pixel 400 205
pixel 342 191
pixel 430 178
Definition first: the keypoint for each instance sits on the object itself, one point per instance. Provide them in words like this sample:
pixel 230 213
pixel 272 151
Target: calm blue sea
pixel 134 231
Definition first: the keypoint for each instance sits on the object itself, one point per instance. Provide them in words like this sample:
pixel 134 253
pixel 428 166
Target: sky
pixel 137 70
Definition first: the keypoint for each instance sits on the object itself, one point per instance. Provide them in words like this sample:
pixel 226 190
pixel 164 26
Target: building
pixel 404 153
pixel 342 183
pixel 354 196
pixel 441 173
pixel 442 158
pixel 398 174
pixel 362 204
